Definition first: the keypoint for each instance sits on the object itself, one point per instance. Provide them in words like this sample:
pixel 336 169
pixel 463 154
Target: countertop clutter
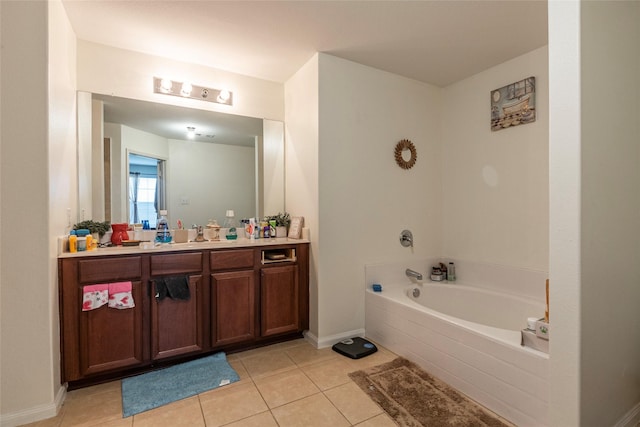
pixel 153 247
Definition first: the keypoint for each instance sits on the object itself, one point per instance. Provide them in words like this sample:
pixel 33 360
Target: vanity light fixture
pixel 188 90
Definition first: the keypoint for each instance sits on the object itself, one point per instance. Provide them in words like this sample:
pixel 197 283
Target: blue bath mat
pixel 157 388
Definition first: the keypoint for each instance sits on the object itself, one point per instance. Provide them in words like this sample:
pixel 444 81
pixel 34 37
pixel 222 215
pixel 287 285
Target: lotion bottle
pixel 73 242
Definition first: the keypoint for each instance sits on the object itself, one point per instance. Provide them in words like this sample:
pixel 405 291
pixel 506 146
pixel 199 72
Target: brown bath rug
pixel 414 398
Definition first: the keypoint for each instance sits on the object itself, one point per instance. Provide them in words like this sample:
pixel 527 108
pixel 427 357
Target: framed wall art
pixel 513 104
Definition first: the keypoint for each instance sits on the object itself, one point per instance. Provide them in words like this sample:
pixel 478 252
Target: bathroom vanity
pixel 243 294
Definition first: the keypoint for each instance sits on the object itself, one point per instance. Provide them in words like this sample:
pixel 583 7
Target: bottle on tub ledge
pixel 451 272
pixel 436 274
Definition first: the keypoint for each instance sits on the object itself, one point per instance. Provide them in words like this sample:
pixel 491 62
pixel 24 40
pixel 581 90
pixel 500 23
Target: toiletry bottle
pixel 82 239
pixel 163 235
pixel 451 272
pixel 230 225
pixel 73 242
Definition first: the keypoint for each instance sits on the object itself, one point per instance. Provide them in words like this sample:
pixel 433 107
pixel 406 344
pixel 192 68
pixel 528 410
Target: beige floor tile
pixel 238 366
pixel 312 411
pixel 185 412
pixel 382 420
pixel 122 422
pixel 273 347
pixel 353 403
pixel 231 403
pixel 285 387
pixel 264 419
pixel 307 354
pixel 329 374
pixel 84 393
pixel 92 409
pixel 267 363
pixel 49 422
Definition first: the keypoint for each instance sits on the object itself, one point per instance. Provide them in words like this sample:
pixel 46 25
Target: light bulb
pixel 186 89
pixel 224 96
pixel 165 85
pixel 191 132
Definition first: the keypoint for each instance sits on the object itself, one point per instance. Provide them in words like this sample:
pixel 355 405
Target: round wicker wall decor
pixel 401 146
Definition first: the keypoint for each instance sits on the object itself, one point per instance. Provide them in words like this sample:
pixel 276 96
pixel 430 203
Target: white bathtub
pixel 470 338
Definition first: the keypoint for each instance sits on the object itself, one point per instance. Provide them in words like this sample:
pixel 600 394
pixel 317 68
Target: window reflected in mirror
pixel 146 185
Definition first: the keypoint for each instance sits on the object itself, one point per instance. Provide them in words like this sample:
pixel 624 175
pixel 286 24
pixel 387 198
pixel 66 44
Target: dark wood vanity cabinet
pixel 104 339
pixel 177 325
pixel 279 300
pixel 233 297
pixel 233 303
pixel 237 301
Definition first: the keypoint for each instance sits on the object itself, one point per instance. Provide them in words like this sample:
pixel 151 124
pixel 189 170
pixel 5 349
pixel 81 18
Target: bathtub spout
pixel 410 273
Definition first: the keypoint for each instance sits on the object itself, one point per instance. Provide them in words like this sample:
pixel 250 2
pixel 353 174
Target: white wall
pixel 610 211
pixel 495 184
pixel 62 198
pixel 365 198
pixel 564 212
pixel 594 62
pixel 301 159
pixel 111 71
pixel 37 179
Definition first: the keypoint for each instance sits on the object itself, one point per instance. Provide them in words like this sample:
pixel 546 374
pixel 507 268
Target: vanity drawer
pixel 226 260
pixel 176 263
pixel 109 269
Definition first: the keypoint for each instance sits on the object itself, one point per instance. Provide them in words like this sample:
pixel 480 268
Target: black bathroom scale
pixel 355 348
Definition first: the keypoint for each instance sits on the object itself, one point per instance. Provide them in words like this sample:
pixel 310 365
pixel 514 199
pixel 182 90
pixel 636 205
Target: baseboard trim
pixel 36 413
pixel 631 418
pixel 332 339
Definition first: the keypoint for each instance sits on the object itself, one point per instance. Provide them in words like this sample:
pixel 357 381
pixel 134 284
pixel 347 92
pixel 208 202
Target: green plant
pixel 282 219
pixel 94 226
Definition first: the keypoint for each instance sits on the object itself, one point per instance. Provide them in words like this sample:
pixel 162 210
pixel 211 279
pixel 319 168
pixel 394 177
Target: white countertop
pixel 189 246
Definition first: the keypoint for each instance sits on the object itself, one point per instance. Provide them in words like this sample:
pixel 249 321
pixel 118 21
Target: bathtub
pixel 469 337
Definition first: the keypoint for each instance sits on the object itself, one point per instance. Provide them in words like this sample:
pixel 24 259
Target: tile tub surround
pixel 499 374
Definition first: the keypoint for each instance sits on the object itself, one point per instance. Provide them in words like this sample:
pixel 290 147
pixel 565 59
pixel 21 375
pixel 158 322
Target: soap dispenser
pixel 230 225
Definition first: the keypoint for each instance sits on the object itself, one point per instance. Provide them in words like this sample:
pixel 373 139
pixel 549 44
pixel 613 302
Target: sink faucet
pixel 410 273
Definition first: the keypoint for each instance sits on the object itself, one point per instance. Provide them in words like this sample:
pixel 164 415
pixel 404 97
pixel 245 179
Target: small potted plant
pixel 94 227
pixel 282 223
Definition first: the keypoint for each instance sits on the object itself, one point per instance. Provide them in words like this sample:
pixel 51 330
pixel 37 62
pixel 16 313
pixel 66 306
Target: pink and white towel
pixel 120 296
pixel 94 296
pixel 116 295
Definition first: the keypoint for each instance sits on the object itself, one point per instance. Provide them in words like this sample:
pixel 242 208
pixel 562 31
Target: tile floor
pixel 286 384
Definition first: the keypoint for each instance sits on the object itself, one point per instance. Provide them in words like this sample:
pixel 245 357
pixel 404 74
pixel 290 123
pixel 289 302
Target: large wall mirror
pixel 137 157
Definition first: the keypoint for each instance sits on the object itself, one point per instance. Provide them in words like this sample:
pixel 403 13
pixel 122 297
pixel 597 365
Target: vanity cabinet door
pixel 233 302
pixel 111 339
pixel 279 300
pixel 177 325
pixel 103 340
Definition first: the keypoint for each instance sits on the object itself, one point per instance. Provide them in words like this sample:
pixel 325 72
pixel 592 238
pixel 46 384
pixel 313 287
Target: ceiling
pixel 437 42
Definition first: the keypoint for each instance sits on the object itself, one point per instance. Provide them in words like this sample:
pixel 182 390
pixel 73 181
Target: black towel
pixel 175 287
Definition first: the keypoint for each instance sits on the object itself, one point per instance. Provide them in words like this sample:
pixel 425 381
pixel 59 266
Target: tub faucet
pixel 410 273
